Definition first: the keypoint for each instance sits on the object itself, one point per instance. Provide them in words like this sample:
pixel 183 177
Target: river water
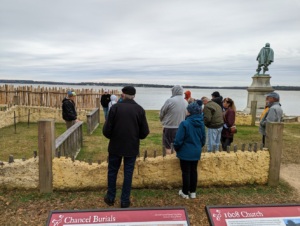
pixel 154 98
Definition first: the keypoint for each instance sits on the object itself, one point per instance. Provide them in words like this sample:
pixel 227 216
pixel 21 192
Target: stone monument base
pixel 256 92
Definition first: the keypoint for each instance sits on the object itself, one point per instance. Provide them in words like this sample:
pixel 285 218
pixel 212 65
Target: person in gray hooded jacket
pixel 172 113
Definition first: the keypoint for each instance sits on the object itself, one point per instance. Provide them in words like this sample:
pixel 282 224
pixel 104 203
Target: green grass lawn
pixel 32 208
pixel 24 141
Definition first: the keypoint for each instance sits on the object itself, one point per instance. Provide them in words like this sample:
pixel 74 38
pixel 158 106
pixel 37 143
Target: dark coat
pixel 105 99
pixel 218 100
pixel 68 110
pixel 229 120
pixel 125 126
pixel 213 115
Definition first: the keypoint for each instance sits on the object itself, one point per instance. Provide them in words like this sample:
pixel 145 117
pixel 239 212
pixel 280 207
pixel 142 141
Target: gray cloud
pixel 193 42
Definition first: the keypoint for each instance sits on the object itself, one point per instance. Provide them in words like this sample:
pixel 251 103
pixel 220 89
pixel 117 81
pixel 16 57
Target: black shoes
pixel 108 201
pixel 125 204
pixel 111 203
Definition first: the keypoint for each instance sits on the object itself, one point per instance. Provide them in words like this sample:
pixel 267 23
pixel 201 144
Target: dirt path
pixel 291 174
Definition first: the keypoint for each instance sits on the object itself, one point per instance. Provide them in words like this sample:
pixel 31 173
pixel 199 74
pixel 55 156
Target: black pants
pixel 226 142
pixel 264 140
pixel 189 176
pixel 114 163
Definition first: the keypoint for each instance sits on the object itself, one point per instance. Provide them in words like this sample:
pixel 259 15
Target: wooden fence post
pixel 16 100
pixel 98 106
pixel 274 134
pixel 89 124
pixel 28 118
pixel 46 147
pixel 253 112
pixel 15 122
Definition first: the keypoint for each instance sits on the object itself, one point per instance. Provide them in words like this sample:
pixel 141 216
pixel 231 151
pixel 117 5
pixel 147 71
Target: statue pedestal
pixel 256 92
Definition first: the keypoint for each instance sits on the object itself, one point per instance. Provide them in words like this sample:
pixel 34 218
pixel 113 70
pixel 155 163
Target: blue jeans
pixel 213 139
pixel 114 163
pixel 105 110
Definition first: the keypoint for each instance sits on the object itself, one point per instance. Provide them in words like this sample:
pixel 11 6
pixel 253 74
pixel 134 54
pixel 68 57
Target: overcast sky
pixel 187 42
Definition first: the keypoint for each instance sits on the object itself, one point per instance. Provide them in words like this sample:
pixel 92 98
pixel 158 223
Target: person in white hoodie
pixel 113 100
pixel 172 113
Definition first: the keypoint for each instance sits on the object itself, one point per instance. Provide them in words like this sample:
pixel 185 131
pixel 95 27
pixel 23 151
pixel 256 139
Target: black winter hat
pixel 216 94
pixel 130 90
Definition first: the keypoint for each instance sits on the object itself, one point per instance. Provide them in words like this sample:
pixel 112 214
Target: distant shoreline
pixel 4 81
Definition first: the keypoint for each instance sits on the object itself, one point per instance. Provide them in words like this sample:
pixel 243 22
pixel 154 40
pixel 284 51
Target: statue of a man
pixel 265 58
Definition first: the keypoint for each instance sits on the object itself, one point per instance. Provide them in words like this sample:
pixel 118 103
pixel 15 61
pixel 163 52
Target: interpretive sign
pixel 120 217
pixel 258 215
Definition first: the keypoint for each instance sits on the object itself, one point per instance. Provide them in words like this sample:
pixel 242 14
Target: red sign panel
pixel 124 217
pixel 259 215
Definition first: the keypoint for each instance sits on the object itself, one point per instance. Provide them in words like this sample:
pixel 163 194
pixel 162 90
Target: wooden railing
pixel 92 120
pixel 70 142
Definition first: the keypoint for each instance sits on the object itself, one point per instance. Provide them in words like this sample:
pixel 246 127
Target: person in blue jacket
pixel 188 143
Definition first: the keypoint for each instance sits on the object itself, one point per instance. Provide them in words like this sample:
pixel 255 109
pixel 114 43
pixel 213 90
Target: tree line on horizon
pixel 291 88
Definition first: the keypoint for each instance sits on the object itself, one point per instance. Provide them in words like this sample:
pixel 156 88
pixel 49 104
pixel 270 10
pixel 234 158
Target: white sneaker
pixel 193 195
pixel 183 195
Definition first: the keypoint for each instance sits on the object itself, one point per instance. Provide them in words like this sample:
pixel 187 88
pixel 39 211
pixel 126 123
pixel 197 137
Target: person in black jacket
pixel 125 126
pixel 217 98
pixel 69 113
pixel 105 99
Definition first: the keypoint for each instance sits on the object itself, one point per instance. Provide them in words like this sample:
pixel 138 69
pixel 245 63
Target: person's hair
pixel 230 102
pixel 191 100
pixel 127 96
pixel 204 98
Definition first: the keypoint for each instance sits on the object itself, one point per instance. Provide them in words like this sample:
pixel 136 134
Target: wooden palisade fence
pixel 48 96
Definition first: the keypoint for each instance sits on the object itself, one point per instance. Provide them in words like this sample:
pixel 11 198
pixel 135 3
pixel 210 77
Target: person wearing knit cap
pixel 69 113
pixel 215 94
pixel 171 115
pixel 105 99
pixel 125 126
pixel 200 103
pixel 216 97
pixel 188 143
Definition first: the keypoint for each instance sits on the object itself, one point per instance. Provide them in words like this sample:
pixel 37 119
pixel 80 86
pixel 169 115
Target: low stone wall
pixel 23 175
pixel 221 168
